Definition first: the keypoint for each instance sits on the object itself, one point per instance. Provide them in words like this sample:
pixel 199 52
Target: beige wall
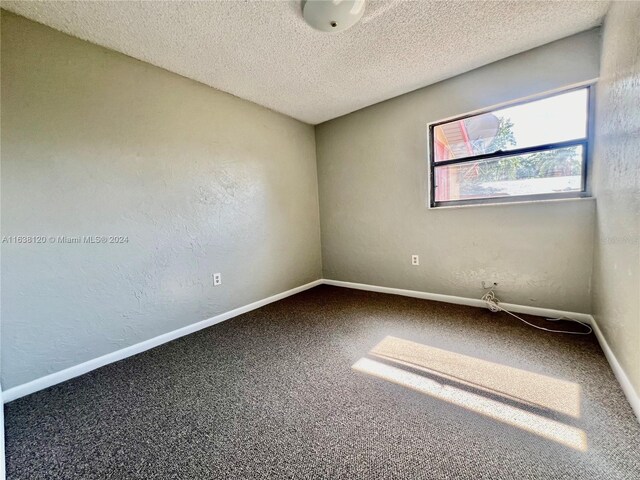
pixel 372 167
pixel 616 278
pixel 96 143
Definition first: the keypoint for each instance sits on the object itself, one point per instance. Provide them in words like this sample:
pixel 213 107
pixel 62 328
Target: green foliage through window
pixel 564 162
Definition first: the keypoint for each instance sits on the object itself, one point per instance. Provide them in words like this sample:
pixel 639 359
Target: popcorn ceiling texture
pixel 266 53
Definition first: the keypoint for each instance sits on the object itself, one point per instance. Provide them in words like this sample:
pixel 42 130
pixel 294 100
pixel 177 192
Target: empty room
pixel 320 239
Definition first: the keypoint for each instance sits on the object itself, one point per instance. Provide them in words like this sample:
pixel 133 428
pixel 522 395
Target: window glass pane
pixel 550 171
pixel 550 120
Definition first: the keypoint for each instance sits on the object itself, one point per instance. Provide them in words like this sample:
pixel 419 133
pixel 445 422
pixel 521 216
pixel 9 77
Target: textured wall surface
pixel 616 275
pixel 373 177
pixel 265 52
pixel 96 143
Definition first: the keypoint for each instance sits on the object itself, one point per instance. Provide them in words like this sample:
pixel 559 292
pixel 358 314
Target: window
pixel 527 151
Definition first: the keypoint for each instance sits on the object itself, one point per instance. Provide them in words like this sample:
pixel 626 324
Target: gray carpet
pixel 272 394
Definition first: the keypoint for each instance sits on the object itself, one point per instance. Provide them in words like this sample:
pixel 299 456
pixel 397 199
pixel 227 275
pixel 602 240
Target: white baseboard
pixel 77 370
pixel 623 380
pixel 472 302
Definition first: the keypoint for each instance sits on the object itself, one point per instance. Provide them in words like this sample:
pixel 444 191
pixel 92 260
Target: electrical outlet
pixel 415 260
pixel 217 279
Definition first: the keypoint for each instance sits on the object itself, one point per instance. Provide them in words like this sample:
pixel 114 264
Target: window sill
pixel 514 202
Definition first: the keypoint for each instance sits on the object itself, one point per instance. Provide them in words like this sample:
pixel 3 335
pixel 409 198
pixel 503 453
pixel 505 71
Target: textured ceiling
pixel 263 51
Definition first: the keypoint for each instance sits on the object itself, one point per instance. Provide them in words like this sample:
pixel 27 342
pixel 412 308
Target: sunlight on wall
pixel 521 385
pixel 472 373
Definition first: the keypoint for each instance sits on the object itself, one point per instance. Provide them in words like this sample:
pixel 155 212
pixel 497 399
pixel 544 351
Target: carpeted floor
pixel 338 383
